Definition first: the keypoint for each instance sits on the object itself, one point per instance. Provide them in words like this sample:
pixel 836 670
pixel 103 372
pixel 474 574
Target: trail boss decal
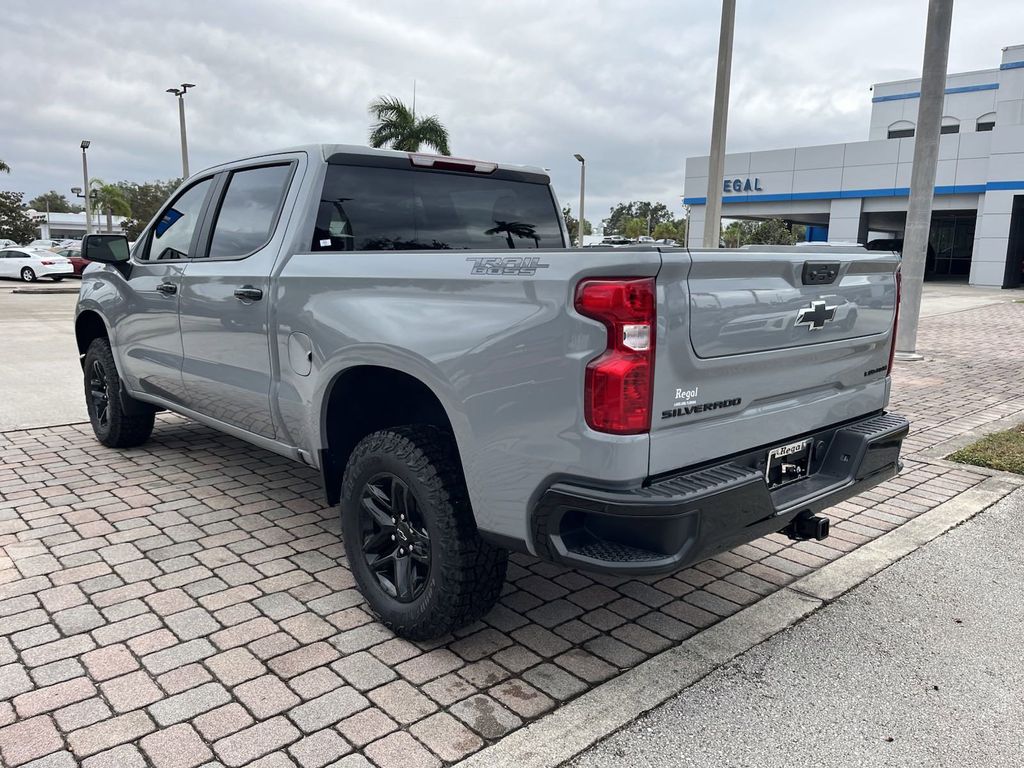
pixel 689 410
pixel 522 266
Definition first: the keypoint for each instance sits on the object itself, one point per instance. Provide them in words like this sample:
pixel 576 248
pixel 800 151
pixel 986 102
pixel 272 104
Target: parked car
pixel 30 264
pixel 5 243
pixel 46 243
pixel 74 255
pixel 414 327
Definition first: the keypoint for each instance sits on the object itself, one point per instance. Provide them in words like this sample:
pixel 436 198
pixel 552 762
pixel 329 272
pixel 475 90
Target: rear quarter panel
pixel 505 355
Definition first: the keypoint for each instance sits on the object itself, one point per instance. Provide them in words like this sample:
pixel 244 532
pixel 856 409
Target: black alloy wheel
pixel 99 394
pixel 395 542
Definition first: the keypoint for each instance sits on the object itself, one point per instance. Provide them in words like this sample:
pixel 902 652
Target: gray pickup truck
pixel 415 327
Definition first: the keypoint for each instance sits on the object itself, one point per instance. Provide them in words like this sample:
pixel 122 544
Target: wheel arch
pixel 89 326
pixel 363 399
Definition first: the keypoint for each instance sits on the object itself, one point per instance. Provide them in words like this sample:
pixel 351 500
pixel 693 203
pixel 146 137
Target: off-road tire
pixel 466 573
pixel 120 428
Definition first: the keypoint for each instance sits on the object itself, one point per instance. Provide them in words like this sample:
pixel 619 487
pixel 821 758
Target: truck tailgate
pixel 758 346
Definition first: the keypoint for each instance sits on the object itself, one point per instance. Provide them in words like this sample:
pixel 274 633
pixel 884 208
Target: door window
pixel 249 211
pixel 172 235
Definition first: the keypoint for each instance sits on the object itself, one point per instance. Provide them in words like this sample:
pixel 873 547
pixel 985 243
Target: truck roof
pixel 326 151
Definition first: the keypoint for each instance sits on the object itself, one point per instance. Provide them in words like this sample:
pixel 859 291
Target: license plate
pixel 787 463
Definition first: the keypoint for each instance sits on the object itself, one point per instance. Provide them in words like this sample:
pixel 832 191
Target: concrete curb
pixel 937 453
pixel 572 728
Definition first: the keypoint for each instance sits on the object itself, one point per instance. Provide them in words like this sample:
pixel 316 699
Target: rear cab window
pixel 370 208
pixel 249 210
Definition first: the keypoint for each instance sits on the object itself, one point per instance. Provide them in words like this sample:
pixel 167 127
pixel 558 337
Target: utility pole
pixel 180 93
pixel 583 184
pixel 85 187
pixel 716 160
pixel 922 176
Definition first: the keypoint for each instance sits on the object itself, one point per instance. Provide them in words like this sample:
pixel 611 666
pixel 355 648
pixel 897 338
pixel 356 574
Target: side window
pixel 248 212
pixel 172 234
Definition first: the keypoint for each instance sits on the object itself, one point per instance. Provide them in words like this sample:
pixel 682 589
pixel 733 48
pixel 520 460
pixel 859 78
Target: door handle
pixel 167 289
pixel 248 293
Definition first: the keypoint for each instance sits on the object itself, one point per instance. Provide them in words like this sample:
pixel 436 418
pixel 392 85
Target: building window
pixel 987 122
pixel 901 129
pixel 950 125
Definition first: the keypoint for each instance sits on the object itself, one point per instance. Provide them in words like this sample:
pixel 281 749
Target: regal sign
pixel 742 185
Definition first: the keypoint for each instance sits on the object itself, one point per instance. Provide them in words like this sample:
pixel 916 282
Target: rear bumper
pixel 683 518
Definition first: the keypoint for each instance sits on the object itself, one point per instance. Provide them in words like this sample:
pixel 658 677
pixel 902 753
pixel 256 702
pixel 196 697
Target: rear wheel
pixel 57 279
pixel 28 275
pixel 117 420
pixel 410 537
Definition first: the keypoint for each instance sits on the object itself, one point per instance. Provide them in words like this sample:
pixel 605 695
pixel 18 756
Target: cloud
pixel 628 85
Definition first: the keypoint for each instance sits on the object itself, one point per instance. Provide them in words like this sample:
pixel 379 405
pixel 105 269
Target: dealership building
pixel 858 191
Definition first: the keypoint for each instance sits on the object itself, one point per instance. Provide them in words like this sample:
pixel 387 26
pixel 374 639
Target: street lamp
pixel 180 93
pixel 583 183
pixel 85 182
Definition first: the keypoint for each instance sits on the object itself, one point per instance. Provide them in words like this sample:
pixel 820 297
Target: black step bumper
pixel 683 518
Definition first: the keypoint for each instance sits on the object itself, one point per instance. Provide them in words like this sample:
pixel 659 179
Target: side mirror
pixel 106 249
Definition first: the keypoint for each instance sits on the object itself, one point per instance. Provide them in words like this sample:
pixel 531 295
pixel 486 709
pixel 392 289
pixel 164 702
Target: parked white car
pixel 5 243
pixel 44 243
pixel 30 264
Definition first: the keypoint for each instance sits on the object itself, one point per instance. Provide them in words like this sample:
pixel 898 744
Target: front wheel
pixel 118 421
pixel 28 275
pixel 410 536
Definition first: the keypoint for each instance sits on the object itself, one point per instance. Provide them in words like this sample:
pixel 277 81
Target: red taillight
pixel 618 385
pixel 47 263
pixel 895 321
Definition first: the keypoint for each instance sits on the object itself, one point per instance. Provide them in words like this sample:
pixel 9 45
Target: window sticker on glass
pixel 169 218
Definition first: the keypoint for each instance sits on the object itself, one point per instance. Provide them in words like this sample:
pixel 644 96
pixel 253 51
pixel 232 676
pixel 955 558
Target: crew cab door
pixel 225 298
pixel 147 333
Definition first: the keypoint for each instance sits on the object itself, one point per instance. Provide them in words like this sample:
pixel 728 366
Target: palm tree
pixel 396 126
pixel 517 228
pixel 4 167
pixel 109 199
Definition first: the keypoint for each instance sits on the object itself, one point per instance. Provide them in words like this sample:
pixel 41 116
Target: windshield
pixel 371 208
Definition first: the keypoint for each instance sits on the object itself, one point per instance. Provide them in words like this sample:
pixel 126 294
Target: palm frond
pixel 4 167
pixel 431 131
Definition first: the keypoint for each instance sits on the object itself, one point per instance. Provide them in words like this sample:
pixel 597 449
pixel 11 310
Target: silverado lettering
pixel 691 409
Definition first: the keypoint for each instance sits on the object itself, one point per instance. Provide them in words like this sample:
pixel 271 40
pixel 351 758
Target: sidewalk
pixel 919 666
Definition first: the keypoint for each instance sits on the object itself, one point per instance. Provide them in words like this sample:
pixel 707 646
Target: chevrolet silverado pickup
pixel 416 328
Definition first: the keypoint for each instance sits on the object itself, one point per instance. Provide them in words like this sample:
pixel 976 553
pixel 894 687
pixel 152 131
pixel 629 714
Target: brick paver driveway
pixel 189 602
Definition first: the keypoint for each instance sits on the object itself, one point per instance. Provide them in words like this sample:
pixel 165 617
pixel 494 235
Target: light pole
pixel 583 184
pixel 85 182
pixel 180 93
pixel 716 158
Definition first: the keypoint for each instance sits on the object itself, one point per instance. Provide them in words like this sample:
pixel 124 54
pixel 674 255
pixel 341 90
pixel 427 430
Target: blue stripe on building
pixel 958 89
pixel 834 194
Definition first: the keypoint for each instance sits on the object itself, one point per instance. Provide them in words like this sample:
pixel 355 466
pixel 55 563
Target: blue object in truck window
pixel 171 216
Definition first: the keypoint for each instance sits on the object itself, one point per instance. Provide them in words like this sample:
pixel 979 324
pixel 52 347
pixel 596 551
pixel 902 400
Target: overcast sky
pixel 627 84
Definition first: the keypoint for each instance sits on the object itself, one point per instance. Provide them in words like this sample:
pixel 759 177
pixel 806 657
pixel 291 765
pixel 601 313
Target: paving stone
pixel 483 674
pixel 176 747
pixel 541 641
pixel 446 737
pixel 57 672
pixel 125 756
pixel 28 739
pixel 449 689
pixel 400 750
pixel 223 721
pixel 193 623
pixel 319 749
pixel 13 680
pixel 60 598
pixel 486 716
pixel 317 681
pixel 303 659
pixel 188 704
pixel 244 633
pixel 60 649
pixel 131 691
pixel 430 665
pixel 554 681
pixel 256 741
pixel 279 605
pixel 480 644
pixel 615 652
pixel 110 733
pixel 178 656
pixel 110 661
pixel 266 696
pixel 363 671
pixel 82 714
pixel 328 709
pixel 235 666
pixel 522 698
pixel 54 697
pixel 402 702
pixel 366 726
pixel 62 759
pixel 183 678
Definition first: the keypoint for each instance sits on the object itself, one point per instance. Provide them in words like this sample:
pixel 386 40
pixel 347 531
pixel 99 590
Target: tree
pixel 4 167
pixel 638 209
pixel 54 202
pixel 15 224
pixel 109 199
pixel 767 232
pixel 665 231
pixel 144 200
pixel 573 225
pixel 396 126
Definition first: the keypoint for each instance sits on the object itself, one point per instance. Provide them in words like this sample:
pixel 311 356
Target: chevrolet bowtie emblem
pixel 816 315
